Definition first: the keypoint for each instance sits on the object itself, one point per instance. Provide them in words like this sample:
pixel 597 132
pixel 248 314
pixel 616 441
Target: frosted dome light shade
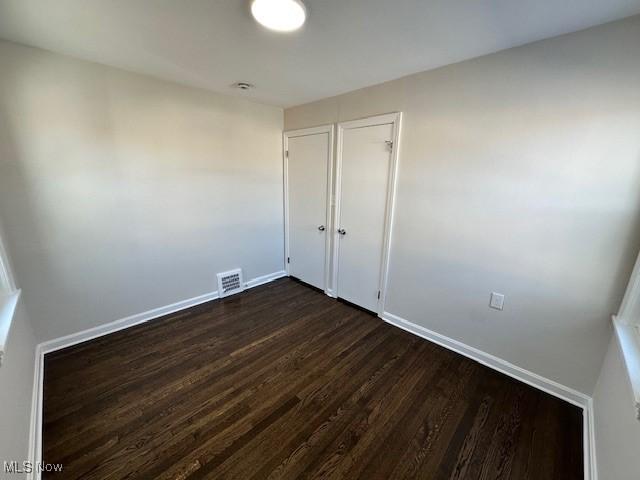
pixel 279 15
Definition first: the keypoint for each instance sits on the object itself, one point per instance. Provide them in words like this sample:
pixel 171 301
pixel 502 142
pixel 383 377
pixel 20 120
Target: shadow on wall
pixel 627 261
pixel 122 193
pixel 16 192
pixel 37 152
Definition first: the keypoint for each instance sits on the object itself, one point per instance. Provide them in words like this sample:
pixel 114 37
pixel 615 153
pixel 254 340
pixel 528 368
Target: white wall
pixel 121 193
pixel 16 385
pixel 519 173
pixel 617 431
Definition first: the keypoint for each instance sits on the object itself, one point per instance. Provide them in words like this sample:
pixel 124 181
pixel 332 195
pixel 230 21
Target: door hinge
pixel 286 153
pixel 389 144
pixel 288 260
pixel 378 294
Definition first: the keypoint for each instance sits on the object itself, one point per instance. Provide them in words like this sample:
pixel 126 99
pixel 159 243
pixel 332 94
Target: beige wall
pixel 16 385
pixel 121 193
pixel 519 173
pixel 617 431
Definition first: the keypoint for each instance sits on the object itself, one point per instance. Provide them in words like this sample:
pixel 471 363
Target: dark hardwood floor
pixel 284 382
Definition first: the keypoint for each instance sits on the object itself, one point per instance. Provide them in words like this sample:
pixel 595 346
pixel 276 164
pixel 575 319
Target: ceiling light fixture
pixel 279 15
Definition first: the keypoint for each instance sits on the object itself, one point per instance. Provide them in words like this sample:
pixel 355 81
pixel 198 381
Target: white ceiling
pixel 345 45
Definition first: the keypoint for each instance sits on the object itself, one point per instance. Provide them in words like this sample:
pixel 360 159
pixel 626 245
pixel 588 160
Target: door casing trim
pixel 329 129
pixel 395 119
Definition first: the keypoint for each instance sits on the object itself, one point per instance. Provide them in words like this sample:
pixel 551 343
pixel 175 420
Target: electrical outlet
pixel 497 301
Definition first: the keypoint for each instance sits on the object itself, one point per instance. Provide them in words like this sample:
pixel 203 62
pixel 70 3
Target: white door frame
pixel 329 218
pixel 396 120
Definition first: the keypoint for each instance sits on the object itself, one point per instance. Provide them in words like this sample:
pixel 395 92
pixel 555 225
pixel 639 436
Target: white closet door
pixel 364 182
pixel 308 164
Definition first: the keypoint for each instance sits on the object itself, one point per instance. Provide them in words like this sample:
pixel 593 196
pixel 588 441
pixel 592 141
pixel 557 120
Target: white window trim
pixel 627 327
pixel 9 295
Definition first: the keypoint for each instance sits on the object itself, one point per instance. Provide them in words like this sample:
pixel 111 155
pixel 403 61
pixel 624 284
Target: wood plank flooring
pixel 282 382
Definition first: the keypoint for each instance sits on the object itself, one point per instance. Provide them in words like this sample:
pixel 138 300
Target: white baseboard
pixel 35 434
pixel 111 327
pixel 265 279
pixel 533 379
pixel 554 388
pixel 35 426
pixel 130 321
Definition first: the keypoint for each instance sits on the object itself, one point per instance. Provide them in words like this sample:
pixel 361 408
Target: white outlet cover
pixel 497 301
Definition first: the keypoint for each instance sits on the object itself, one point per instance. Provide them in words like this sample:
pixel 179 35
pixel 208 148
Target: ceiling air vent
pixel 243 85
pixel 230 282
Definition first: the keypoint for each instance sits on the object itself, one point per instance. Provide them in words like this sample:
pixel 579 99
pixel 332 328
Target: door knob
pixel 321 228
pixel 342 231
